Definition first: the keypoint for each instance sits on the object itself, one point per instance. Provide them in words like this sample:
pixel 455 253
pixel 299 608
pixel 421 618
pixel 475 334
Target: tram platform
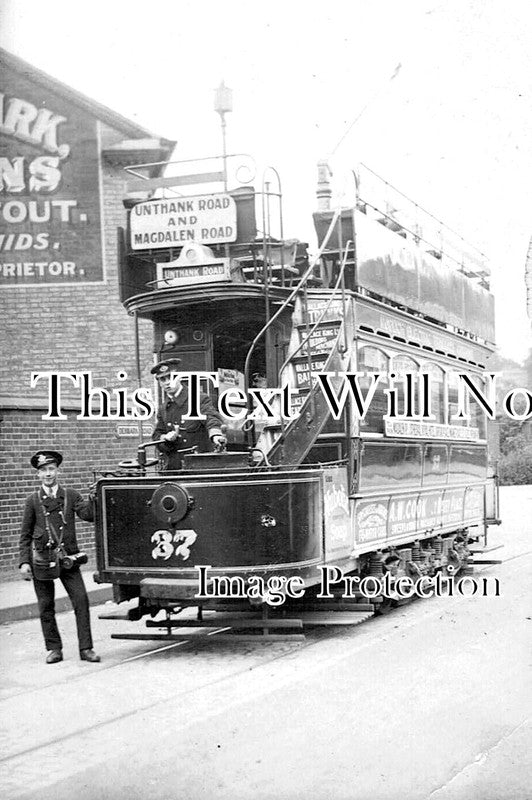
pixel 18 601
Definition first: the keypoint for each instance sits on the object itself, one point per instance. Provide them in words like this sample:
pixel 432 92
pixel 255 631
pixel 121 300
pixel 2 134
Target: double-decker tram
pixel 356 464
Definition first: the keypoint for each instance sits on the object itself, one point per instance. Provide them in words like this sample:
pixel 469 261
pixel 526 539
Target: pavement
pixel 18 601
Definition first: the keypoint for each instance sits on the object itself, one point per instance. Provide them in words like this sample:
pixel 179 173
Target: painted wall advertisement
pixel 50 231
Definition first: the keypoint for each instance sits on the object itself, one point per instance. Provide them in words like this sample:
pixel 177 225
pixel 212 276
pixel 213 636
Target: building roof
pixel 101 112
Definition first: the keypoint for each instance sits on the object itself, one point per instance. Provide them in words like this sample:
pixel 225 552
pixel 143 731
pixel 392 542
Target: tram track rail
pixel 137 709
pixel 194 641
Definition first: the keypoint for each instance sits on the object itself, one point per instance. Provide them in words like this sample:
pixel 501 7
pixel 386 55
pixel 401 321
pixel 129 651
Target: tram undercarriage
pixel 266 578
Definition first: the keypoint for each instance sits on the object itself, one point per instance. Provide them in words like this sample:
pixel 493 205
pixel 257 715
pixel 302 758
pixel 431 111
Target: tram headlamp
pixel 196 253
pixel 170 337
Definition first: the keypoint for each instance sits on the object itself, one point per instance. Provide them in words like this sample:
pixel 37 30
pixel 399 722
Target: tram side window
pixel 437 394
pixel 435 464
pixel 336 426
pixel 371 359
pixel 401 365
pixel 324 453
pixel 467 463
pixel 478 415
pixel 390 465
pixel 452 408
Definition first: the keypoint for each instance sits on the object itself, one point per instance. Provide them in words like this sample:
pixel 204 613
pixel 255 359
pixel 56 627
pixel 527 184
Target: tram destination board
pixel 163 223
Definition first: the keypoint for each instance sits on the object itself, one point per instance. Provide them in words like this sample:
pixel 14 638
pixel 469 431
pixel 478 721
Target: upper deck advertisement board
pixel 49 188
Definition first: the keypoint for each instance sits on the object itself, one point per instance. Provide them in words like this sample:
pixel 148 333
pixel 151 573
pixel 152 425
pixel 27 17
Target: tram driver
pixel 178 434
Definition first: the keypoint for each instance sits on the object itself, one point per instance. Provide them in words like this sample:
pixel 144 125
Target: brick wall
pixel 74 328
pixel 68 328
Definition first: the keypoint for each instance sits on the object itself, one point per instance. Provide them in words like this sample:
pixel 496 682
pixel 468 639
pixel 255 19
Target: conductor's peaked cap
pixel 44 457
pixel 165 367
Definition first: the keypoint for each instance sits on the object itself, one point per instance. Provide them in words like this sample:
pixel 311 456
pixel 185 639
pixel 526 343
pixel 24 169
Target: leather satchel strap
pixel 50 530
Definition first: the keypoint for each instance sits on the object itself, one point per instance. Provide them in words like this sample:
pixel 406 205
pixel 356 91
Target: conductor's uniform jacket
pixel 193 433
pixel 33 545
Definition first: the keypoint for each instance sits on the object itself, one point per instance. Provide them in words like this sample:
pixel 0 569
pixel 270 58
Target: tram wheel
pixel 385 607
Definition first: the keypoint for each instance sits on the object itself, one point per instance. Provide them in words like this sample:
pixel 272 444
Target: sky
pixel 451 128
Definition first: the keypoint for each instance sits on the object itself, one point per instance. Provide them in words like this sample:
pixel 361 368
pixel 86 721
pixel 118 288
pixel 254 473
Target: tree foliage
pixel 515 463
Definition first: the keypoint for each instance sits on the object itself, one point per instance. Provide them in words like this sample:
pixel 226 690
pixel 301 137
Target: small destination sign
pixel 322 339
pixel 302 369
pixel 178 273
pixel 172 222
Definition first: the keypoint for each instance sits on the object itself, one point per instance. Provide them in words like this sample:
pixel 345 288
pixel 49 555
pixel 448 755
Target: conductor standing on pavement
pixel 178 433
pixel 49 550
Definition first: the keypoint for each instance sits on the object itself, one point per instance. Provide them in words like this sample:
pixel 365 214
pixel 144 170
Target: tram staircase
pixel 289 441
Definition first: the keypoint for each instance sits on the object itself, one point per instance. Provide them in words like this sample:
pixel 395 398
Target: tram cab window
pixel 230 347
pixel 467 464
pixel 390 464
pixel 435 463
pixel 371 359
pixel 231 339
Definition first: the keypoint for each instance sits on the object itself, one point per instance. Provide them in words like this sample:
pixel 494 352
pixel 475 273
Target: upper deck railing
pixel 398 212
pixel 258 250
pixel 405 256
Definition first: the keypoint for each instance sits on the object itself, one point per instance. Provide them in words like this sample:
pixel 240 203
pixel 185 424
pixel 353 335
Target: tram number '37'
pixel 168 544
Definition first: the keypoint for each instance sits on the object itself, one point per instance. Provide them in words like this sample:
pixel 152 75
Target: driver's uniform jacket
pixel 34 537
pixel 192 433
